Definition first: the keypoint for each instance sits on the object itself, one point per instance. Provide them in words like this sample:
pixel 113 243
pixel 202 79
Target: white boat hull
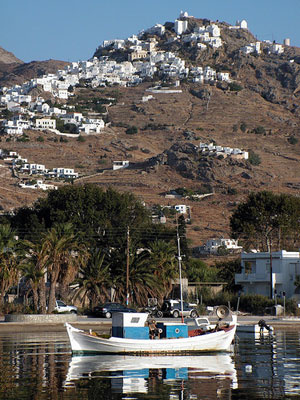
pixel 82 342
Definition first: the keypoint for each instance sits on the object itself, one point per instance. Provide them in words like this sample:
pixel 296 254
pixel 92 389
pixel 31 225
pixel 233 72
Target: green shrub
pixel 40 139
pixel 254 158
pixel 231 190
pixel 255 304
pixel 81 139
pixel 259 130
pixel 132 130
pixel 243 127
pixel 235 87
pixel 197 228
pixel 15 308
pixel 292 140
pixel 23 138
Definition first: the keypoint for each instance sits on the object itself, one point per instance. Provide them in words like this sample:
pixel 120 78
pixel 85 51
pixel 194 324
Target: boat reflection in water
pixel 131 374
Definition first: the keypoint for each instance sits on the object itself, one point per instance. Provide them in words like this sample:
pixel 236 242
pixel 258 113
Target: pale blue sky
pixel 71 30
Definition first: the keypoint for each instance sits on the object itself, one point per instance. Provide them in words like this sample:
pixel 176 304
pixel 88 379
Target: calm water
pixel 40 366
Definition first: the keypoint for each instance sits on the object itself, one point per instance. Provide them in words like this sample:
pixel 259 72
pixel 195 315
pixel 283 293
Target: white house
pixel 72 118
pixel 212 245
pixel 63 173
pixel 120 164
pixel 223 76
pixel 13 129
pixel 63 93
pixel 45 123
pixel 157 29
pixel 181 26
pixel 38 185
pixel 33 168
pixel 181 208
pixel 91 126
pixel 214 30
pixel 243 24
pixel 259 269
pixel 277 48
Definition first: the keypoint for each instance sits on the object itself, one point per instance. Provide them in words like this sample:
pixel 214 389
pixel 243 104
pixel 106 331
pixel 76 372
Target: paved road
pixel 103 324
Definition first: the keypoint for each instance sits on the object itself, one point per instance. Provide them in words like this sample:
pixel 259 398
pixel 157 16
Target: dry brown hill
pixel 8 58
pixel 263 118
pixel 17 73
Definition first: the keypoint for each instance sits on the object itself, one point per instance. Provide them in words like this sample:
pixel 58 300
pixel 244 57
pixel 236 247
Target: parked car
pixel 172 308
pixel 106 310
pixel 61 307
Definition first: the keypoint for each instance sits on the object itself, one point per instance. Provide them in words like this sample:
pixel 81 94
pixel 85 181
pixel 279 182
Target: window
pixel 250 267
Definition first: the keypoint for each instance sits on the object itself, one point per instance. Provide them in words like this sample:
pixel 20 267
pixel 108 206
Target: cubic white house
pixel 259 269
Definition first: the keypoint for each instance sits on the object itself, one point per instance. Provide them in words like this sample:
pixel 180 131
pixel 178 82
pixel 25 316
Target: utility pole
pixel 179 265
pixel 127 268
pixel 271 271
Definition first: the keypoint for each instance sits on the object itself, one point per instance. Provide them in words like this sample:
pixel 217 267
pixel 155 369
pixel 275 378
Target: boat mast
pixel 127 269
pixel 179 266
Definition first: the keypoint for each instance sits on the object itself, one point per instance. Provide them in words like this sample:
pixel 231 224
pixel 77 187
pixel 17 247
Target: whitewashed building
pixel 33 168
pixel 181 26
pixel 38 185
pixel 45 123
pixel 256 275
pixel 120 164
pixel 212 245
pixel 181 208
pixel 64 173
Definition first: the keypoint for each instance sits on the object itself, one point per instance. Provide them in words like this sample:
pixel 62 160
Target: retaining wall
pixel 41 318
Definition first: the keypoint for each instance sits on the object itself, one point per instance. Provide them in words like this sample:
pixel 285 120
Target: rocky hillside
pixel 260 114
pixel 14 71
pixel 8 58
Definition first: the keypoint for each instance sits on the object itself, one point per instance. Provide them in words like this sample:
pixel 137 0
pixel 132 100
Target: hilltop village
pixel 145 61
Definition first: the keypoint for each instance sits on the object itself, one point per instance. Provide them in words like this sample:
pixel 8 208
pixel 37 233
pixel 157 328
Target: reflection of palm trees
pixel 94 279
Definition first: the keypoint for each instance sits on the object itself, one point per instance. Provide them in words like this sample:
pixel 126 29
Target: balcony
pixel 258 278
pixel 240 278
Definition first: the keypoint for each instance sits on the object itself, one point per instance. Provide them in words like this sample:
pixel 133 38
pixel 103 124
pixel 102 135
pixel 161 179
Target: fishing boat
pixel 132 334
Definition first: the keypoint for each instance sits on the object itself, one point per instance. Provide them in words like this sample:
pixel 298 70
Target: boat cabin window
pixel 135 320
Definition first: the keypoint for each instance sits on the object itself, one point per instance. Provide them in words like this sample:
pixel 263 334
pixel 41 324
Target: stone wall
pixel 41 318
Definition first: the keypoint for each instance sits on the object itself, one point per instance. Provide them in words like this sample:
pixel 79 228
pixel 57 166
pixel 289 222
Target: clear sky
pixel 71 30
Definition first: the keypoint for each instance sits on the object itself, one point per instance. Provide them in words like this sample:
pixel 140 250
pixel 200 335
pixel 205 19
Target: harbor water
pixel 41 366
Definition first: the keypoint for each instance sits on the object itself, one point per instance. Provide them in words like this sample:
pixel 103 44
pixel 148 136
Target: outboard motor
pixel 263 325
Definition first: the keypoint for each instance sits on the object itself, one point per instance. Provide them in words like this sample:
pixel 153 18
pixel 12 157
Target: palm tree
pixel 8 260
pixel 163 261
pixel 33 276
pixel 62 253
pixel 94 279
pixel 69 270
pixel 33 265
pixel 142 281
